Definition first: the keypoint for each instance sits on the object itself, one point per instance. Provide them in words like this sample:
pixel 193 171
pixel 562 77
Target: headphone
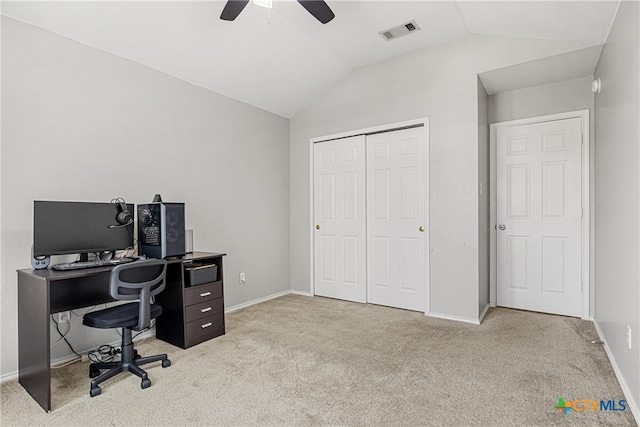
pixel 124 218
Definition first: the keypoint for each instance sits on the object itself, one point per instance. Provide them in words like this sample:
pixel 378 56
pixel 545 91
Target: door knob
pixel 421 229
pixel 502 227
pixel 317 226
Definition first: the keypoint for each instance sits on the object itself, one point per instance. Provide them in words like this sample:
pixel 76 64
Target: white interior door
pixel 340 219
pixel 396 228
pixel 539 216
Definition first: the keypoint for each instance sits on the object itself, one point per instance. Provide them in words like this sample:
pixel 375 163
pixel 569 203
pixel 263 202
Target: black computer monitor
pixel 80 227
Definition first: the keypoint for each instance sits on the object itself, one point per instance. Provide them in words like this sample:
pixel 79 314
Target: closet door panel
pixel 396 228
pixel 340 219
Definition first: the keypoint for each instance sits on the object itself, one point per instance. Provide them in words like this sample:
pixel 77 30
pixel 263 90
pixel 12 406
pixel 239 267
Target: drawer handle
pixel 204 310
pixel 206 325
pixel 205 294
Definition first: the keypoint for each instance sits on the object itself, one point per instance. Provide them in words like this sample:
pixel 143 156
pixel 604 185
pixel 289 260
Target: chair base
pixel 130 362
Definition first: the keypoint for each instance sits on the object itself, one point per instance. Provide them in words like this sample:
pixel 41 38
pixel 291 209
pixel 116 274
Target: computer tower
pixel 161 230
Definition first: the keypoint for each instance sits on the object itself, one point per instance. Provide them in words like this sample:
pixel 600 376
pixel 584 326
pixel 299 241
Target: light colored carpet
pixel 314 361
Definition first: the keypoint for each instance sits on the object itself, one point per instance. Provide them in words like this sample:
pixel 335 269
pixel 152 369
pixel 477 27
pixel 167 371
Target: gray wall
pixel 551 98
pixel 617 167
pixel 483 197
pixel 439 83
pixel 426 84
pixel 81 124
pixel 557 97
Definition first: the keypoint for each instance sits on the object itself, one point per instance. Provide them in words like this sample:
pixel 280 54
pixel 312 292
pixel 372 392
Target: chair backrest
pixel 139 280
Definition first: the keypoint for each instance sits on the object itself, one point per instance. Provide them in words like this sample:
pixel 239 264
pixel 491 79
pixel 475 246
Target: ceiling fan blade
pixel 232 9
pixel 319 9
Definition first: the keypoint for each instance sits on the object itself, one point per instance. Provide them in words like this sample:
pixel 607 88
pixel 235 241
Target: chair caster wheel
pixel 145 383
pixel 93 373
pixel 95 391
pixel 166 363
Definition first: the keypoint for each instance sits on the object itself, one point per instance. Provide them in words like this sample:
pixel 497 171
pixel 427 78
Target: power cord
pixel 104 353
pixel 64 337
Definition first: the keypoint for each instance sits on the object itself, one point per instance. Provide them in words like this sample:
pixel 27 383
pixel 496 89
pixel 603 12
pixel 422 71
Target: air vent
pixel 399 31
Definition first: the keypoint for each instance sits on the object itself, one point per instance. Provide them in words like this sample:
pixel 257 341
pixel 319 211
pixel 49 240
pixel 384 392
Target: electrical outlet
pixel 243 278
pixel 85 357
pixel 64 317
pixel 629 336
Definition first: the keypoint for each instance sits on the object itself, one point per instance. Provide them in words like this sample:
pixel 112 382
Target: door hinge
pixel 582 213
pixel 582 139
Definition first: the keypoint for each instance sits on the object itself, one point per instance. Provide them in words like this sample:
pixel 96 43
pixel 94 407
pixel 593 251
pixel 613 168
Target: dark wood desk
pixel 45 292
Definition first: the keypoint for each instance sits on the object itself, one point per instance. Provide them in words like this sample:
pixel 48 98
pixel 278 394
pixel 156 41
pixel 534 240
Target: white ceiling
pixel 283 60
pixel 556 68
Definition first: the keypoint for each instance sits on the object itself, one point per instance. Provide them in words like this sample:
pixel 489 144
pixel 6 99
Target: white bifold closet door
pixel 370 211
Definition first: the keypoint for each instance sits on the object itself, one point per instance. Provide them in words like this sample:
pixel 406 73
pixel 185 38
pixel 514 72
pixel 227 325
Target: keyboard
pixel 91 264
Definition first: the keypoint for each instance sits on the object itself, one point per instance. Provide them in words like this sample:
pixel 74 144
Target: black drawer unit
pixel 193 310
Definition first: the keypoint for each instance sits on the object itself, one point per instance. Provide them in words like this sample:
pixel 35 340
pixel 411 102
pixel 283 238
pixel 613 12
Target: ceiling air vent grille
pixel 399 31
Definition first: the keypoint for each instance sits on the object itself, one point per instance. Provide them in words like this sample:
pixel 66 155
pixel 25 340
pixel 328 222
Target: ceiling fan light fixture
pixel 318 8
pixel 264 3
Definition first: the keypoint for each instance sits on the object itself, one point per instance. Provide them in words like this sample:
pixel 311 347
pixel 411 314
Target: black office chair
pixel 139 280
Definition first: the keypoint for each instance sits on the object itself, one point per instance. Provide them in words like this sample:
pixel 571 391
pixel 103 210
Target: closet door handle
pixel 421 228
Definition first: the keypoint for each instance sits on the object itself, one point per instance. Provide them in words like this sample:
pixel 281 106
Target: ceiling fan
pixel 318 8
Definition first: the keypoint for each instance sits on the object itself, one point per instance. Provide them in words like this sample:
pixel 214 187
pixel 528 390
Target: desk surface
pixel 50 275
pixel 43 292
pixel 73 289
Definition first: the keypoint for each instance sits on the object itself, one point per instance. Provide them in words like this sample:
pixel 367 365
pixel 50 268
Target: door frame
pixel 586 205
pixel 420 122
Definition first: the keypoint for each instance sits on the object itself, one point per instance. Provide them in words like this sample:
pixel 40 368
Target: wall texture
pixel 483 198
pixel 81 124
pixel 439 83
pixel 557 97
pixel 551 98
pixel 617 201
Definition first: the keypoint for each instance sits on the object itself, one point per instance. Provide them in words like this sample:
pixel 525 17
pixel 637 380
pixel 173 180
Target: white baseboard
pixel 256 301
pixel 9 377
pixel 60 361
pixel 635 410
pixel 66 359
pixel 453 317
pixel 484 312
pixel 304 294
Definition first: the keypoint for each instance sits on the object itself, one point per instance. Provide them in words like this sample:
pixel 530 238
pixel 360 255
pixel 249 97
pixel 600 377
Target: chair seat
pixel 119 316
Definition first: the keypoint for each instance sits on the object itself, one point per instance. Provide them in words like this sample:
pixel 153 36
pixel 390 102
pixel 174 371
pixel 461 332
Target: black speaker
pixel 39 262
pixel 161 230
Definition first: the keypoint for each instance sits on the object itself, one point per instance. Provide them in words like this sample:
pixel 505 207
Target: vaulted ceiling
pixel 282 59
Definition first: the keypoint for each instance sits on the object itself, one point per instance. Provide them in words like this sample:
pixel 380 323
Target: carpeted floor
pixel 313 361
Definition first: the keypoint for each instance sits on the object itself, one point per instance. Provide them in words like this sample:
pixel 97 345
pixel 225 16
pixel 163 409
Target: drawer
pixel 190 342
pixel 199 274
pixel 204 309
pixel 204 325
pixel 198 294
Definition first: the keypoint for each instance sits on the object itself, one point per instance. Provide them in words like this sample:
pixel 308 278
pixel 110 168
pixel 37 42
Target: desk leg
pixel 34 354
